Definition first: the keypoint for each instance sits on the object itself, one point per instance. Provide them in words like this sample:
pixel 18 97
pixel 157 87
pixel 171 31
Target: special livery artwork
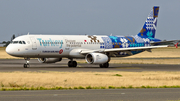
pixel 123 42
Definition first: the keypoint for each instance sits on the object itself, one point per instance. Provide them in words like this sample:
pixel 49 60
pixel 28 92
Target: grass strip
pixel 80 87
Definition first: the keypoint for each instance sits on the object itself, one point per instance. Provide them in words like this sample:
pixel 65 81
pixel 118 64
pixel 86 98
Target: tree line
pixel 8 42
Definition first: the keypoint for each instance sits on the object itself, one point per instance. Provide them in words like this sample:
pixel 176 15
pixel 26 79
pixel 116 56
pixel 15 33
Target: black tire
pixel 69 64
pixel 106 65
pixel 28 65
pixel 74 64
pixel 25 65
pixel 101 65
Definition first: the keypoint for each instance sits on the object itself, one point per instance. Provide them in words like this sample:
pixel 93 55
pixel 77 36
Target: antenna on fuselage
pixel 111 34
pixel 28 33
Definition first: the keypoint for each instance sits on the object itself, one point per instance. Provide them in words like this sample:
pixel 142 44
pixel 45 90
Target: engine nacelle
pixel 49 60
pixel 96 58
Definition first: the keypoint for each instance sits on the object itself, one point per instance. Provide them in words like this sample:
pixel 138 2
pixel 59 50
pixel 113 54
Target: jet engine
pixel 49 60
pixel 96 58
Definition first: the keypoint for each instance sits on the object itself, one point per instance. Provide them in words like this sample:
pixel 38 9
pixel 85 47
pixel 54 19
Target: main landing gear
pixel 72 63
pixel 26 65
pixel 105 65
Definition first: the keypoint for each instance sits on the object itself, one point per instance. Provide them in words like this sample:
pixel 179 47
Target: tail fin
pixel 149 28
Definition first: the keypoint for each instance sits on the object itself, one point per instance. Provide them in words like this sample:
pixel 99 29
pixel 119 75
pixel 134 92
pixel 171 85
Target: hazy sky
pixel 100 17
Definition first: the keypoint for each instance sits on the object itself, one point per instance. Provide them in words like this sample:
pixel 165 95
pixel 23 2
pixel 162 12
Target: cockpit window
pixel 18 42
pixel 15 42
pixel 24 42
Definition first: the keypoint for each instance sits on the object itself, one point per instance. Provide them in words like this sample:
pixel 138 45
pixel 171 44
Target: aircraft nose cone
pixel 9 50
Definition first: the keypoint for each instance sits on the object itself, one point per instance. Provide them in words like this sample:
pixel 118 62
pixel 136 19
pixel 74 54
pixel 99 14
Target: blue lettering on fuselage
pixel 136 45
pixel 50 42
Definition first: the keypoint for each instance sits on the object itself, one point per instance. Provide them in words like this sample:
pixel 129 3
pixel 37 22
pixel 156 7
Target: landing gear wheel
pixel 69 64
pixel 101 65
pixel 105 65
pixel 72 64
pixel 26 65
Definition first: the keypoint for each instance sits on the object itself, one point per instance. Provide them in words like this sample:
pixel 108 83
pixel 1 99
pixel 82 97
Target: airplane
pixel 95 49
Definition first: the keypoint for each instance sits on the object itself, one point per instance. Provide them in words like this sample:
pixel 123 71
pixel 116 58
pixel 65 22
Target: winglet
pixel 176 45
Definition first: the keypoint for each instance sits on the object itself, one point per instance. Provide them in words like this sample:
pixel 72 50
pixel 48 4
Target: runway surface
pixel 17 65
pixel 167 94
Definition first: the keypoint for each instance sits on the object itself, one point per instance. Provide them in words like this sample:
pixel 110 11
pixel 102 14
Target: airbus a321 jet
pixel 95 49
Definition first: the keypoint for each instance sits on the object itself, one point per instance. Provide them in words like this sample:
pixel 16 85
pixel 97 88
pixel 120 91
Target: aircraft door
pixel 34 45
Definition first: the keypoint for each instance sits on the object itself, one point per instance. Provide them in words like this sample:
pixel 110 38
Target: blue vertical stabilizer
pixel 149 28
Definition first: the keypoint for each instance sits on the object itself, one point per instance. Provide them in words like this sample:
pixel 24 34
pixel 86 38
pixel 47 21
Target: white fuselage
pixel 38 46
pixel 74 46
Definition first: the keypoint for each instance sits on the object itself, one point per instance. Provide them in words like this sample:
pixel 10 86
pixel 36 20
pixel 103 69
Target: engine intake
pixel 96 58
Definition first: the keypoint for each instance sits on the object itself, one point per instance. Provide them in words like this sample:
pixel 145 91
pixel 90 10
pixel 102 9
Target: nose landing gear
pixel 26 65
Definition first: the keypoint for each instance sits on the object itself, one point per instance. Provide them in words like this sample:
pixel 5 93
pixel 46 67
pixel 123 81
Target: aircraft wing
pixel 122 49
